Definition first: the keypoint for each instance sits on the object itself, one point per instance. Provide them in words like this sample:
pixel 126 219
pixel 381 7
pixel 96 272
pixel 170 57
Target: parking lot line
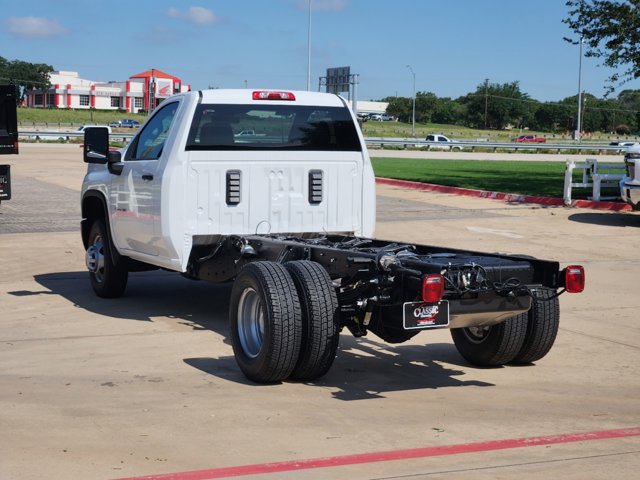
pixel 438 451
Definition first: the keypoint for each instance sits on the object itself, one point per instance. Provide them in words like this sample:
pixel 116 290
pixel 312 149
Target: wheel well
pixel 93 207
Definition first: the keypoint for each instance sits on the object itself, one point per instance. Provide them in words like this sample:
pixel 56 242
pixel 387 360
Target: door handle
pixel 147 177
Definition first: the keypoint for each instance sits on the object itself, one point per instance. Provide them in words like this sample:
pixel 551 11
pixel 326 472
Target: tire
pixel 107 279
pixel 543 321
pixel 265 322
pixel 491 346
pixel 320 319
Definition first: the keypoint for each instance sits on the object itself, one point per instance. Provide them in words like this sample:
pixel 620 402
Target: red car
pixel 529 139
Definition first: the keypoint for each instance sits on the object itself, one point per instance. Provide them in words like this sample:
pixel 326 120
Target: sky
pixel 452 46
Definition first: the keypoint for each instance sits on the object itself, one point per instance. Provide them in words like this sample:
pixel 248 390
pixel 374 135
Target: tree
pixel 448 111
pixel 630 100
pixel 553 117
pixel 24 75
pixel 497 105
pixel 611 31
pixel 399 107
pixel 425 106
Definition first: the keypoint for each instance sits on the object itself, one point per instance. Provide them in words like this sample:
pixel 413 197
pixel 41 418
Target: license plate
pixel 421 315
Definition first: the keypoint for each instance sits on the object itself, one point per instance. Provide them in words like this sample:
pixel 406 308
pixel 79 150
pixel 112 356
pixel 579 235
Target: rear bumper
pixel 630 193
pixel 486 310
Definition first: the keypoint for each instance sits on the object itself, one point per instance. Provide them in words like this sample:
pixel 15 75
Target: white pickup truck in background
pixel 441 142
pixel 288 215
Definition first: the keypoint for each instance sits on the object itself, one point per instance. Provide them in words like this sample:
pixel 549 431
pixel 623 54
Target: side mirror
pixel 96 145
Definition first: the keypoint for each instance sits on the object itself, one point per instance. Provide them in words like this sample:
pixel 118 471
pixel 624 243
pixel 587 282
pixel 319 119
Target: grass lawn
pixel 528 178
pixel 28 116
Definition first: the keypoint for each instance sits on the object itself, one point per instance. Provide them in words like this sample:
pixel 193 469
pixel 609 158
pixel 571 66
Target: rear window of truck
pixel 268 127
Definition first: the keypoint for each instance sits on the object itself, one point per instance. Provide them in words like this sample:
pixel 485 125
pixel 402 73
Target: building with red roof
pixel 142 92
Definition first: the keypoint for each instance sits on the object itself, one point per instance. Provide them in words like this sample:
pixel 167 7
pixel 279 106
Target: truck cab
pixel 192 173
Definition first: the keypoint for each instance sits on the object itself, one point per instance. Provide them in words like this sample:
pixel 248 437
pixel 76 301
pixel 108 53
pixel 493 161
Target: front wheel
pixel 265 322
pixel 107 279
pixel 494 345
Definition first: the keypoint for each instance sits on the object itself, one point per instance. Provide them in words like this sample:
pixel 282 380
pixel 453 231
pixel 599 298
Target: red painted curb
pixel 507 197
pixel 356 459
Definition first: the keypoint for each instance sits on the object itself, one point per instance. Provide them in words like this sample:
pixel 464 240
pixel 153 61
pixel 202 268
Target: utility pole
pixel 486 100
pixel 584 109
pixel 413 117
pixel 152 91
pixel 579 120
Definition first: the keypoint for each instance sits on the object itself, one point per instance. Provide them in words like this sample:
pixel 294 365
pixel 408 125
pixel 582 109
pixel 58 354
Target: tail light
pixel 273 95
pixel 574 278
pixel 432 288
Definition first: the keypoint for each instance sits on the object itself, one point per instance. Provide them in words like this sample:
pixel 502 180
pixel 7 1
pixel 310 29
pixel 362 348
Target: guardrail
pixel 381 142
pixel 405 143
pixel 593 175
pixel 63 135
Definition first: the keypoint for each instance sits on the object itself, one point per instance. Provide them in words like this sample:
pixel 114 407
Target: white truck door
pixel 135 193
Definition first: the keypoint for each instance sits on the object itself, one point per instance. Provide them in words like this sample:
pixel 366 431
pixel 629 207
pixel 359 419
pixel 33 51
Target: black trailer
pixel 8 136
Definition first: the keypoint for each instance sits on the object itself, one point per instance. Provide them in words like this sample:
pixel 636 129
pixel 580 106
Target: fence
pixel 404 143
pixel 379 142
pixel 594 176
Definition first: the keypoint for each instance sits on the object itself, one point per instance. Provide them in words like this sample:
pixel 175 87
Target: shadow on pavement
pixel 607 219
pixel 365 368
pixel 200 305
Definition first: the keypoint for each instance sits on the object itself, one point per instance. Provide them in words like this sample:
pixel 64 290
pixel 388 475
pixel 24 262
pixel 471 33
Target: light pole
pixel 578 121
pixel 413 117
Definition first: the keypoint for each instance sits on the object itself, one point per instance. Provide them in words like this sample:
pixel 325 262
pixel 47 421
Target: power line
pixel 538 102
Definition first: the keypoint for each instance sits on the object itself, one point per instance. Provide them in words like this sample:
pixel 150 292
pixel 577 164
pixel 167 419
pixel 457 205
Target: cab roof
pixel 270 96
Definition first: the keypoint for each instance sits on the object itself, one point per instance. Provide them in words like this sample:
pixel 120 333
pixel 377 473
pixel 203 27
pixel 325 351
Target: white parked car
pixel 84 127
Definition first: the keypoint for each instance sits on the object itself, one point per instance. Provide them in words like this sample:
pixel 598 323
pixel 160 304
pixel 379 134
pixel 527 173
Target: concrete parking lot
pixel 147 385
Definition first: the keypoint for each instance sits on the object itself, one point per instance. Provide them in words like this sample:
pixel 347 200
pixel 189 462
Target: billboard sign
pixel 338 79
pixel 164 87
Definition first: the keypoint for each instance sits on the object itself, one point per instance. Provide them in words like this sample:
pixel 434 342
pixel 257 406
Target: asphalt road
pixel 147 385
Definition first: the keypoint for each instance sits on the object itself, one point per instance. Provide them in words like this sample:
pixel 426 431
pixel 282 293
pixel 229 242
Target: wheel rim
pixel 95 259
pixel 251 322
pixel 476 334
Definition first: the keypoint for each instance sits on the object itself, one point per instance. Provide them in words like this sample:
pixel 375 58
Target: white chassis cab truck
pixel 287 213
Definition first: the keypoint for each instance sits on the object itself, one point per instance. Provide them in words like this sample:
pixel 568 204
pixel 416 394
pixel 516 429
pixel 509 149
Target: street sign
pixel 338 79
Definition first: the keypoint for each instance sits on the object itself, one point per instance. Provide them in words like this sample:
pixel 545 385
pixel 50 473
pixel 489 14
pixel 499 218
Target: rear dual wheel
pixel 320 319
pixel 265 322
pixel 543 320
pixel 493 345
pixel 283 321
pixel 523 339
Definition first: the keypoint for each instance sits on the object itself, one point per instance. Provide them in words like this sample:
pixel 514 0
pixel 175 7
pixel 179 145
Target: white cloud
pixel 35 27
pixel 197 15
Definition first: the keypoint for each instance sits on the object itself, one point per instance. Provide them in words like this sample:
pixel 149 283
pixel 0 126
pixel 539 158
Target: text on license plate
pixel 419 315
